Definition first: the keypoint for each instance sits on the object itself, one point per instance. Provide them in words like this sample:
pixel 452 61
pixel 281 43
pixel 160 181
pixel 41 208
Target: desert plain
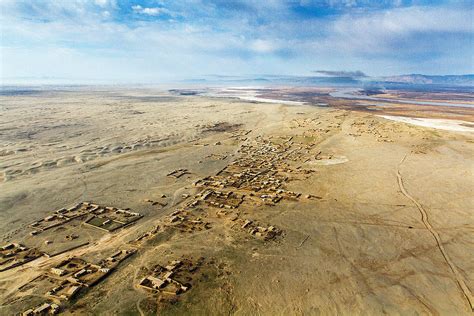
pixel 245 207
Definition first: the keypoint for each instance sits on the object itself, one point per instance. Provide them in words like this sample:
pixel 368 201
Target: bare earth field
pixel 244 207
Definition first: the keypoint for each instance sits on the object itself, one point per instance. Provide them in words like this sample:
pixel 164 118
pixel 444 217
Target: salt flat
pixel 450 125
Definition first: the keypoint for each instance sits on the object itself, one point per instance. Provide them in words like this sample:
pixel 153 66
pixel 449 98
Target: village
pixel 256 178
pixel 69 278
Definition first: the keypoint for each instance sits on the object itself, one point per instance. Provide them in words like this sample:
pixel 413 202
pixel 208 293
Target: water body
pixel 248 94
pixel 349 94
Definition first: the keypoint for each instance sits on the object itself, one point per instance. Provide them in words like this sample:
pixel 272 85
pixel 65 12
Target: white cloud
pixel 151 11
pixel 406 20
pixel 405 32
pixel 263 46
pixel 101 3
pixel 106 3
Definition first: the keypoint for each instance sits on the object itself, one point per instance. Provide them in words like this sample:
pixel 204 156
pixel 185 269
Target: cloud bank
pixel 352 74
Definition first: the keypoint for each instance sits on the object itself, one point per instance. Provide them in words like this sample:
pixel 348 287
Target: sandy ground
pixel 362 246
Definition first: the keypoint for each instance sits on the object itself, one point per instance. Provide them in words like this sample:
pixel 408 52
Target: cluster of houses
pixel 102 217
pixel 13 255
pixel 166 279
pixel 71 277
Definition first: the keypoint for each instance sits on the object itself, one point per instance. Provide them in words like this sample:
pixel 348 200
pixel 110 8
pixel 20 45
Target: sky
pixel 145 41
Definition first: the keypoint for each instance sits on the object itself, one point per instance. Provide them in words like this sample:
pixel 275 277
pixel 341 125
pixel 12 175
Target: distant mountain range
pixel 464 80
pixel 410 79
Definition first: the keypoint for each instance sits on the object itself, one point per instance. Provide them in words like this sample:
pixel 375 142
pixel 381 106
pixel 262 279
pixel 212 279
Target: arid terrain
pixel 145 201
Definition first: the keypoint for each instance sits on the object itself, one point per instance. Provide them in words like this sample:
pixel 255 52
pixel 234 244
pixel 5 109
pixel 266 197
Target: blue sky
pixel 159 40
